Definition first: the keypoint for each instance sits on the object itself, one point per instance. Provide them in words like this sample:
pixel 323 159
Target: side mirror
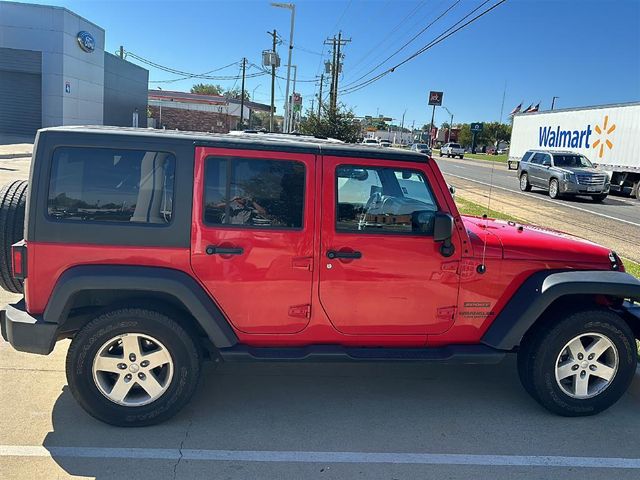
pixel 443 226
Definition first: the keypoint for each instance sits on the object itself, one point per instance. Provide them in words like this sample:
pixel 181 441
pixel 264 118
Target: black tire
pixel 554 193
pixel 461 157
pixel 599 198
pixel 13 197
pixel 525 186
pixel 88 341
pixel 540 350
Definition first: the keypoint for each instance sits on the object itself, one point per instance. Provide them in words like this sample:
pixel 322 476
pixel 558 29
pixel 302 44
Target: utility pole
pixel 332 41
pixel 336 67
pixel 292 113
pixel 244 67
pixel 273 79
pixel 122 53
pixel 292 7
pixel 320 95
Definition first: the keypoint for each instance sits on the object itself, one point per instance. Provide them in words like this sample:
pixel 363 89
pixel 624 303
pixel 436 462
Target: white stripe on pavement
pixel 319 457
pixel 555 202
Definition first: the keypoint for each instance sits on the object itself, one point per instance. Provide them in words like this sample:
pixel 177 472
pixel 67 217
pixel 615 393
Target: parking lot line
pixel 319 457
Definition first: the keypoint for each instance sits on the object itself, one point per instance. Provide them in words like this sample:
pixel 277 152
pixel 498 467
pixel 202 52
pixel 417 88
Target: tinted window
pixel 538 158
pixel 575 161
pixel 257 193
pixel 381 200
pixel 103 184
pixel 527 156
pixel 455 145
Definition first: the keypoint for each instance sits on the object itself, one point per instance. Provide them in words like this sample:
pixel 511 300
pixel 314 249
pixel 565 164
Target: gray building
pixel 54 71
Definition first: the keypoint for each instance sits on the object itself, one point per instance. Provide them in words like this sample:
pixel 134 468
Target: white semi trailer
pixel 608 135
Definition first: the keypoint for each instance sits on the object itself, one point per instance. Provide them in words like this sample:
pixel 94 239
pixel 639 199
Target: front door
pixel 381 273
pixel 253 236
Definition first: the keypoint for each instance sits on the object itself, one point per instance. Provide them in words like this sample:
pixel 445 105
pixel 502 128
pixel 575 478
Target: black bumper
pixel 26 333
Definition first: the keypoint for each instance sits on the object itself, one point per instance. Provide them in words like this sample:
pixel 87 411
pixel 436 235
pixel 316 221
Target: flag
pixel 516 110
pixel 528 109
pixel 535 109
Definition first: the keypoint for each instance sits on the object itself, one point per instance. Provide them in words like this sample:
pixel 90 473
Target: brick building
pixel 201 113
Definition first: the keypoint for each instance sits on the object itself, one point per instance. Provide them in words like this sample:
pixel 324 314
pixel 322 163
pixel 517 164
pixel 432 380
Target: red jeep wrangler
pixel 154 250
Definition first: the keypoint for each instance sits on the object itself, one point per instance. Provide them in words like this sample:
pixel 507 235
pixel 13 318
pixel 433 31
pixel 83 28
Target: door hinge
pixel 446 313
pixel 300 311
pixel 303 263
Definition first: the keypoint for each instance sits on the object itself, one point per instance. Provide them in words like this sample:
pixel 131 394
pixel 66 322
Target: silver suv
pixel 562 173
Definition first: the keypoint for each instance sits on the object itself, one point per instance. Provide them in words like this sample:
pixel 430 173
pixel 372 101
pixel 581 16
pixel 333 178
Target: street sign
pixel 476 127
pixel 435 98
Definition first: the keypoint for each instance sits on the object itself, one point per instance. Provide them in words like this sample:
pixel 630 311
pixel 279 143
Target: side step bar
pixel 461 354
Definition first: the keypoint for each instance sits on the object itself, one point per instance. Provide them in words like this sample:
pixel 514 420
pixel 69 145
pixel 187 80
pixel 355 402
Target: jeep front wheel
pixel 133 367
pixel 580 365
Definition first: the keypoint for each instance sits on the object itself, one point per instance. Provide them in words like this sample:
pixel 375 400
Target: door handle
pixel 331 254
pixel 213 250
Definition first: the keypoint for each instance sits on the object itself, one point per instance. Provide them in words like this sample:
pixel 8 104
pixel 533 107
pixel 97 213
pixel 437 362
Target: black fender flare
pixel 543 288
pixel 175 283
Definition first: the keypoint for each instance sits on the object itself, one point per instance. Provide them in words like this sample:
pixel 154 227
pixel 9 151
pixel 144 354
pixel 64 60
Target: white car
pixel 385 143
pixel 370 141
pixel 452 150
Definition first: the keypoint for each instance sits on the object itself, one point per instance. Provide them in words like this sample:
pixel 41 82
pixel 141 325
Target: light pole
pixel 253 94
pixel 287 107
pixel 160 119
pixel 450 124
pixel 553 102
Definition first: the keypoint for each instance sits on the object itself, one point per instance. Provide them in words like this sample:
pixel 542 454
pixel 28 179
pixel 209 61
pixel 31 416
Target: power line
pixel 444 35
pixel 411 40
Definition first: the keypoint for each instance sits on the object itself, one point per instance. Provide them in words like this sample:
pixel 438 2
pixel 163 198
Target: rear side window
pixel 254 193
pixel 111 185
pixel 538 158
pixel 383 200
pixel 527 156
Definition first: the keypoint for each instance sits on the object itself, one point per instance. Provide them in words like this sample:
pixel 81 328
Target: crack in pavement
pixel 180 452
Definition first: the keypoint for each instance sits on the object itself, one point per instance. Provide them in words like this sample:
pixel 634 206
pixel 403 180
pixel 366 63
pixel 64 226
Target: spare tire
pixel 13 197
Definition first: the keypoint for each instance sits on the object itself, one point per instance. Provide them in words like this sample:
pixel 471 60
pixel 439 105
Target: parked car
pixel 421 148
pixel 562 174
pixel 452 150
pixel 385 143
pixel 154 251
pixel 370 141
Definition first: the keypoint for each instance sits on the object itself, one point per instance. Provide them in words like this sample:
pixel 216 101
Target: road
pixel 316 421
pixel 615 222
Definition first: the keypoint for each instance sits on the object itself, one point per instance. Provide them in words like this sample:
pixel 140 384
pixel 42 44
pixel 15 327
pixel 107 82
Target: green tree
pixel 495 132
pixel 464 135
pixel 336 123
pixel 235 94
pixel 207 89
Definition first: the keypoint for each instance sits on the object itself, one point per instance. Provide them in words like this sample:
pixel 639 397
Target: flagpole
pixel 504 94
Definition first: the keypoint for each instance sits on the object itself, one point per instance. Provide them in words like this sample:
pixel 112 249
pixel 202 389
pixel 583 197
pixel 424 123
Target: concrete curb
pixel 9 156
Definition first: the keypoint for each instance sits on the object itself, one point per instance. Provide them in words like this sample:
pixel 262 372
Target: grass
pixel 631 267
pixel 493 158
pixel 471 208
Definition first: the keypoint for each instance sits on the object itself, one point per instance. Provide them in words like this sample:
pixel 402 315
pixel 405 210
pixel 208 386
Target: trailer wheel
pixel 635 191
pixel 13 197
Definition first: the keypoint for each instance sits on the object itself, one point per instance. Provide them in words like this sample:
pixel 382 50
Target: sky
pixel 584 52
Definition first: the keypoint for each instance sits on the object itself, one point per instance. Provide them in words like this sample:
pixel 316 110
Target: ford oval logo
pixel 86 41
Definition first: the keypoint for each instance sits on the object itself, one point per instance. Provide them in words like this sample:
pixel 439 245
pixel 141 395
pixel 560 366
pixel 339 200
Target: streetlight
pixel 450 124
pixel 291 7
pixel 253 95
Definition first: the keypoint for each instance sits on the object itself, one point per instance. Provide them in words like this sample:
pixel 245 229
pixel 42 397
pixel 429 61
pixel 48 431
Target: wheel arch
pixel 82 291
pixel 546 292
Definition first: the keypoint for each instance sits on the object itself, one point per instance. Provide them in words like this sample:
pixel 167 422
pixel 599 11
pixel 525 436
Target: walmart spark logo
pixel 603 132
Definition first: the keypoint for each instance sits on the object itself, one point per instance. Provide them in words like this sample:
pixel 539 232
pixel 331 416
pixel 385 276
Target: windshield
pixel 572 161
pixel 422 145
pixel 455 145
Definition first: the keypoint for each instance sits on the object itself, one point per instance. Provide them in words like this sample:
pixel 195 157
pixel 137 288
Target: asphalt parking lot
pixel 316 421
pixel 333 421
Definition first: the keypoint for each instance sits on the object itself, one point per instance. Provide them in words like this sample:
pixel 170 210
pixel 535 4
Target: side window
pixel 537 158
pixel 527 156
pixel 111 185
pixel 383 200
pixel 254 192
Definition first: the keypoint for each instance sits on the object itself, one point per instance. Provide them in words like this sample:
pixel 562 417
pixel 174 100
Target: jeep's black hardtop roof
pixel 250 140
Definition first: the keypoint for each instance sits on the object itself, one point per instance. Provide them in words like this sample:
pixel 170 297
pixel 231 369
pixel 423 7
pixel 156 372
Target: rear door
pixel 253 236
pixel 380 273
pixel 535 166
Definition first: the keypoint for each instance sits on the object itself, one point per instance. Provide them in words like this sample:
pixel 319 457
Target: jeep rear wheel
pixel 580 365
pixel 133 367
pixel 13 197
